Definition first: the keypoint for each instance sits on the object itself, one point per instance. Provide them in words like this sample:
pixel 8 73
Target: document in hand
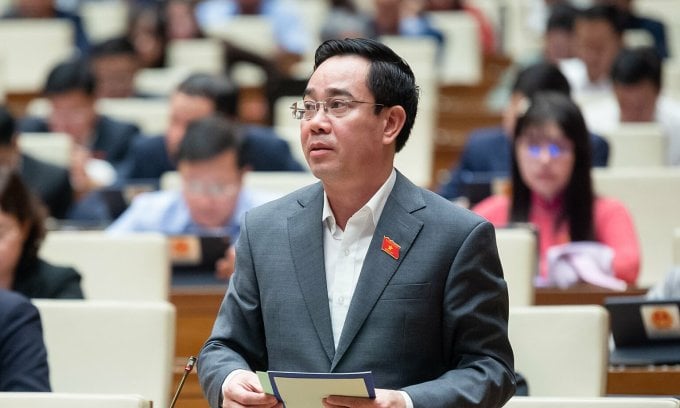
pixel 305 390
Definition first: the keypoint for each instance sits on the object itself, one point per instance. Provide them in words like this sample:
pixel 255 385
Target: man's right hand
pixel 244 390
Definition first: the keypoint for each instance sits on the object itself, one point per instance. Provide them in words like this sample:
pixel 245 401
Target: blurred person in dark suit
pixel 70 88
pixel 23 357
pixel 49 182
pixel 202 95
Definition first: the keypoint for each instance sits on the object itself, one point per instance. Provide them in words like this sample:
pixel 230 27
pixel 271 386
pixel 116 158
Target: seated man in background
pixel 487 153
pixel 23 358
pixel 211 201
pixel 637 78
pixel 49 182
pixel 598 38
pixel 199 96
pixel 114 63
pixel 70 90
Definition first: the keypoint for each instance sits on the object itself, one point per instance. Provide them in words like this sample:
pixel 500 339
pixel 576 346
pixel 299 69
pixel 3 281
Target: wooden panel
pixel 580 294
pixel 653 380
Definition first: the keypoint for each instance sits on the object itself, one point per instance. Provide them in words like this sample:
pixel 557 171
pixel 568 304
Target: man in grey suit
pixel 363 271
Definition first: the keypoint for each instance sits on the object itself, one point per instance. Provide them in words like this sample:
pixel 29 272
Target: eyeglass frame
pixel 299 113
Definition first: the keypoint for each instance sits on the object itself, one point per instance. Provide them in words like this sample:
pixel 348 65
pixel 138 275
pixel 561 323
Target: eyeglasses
pixel 210 189
pixel 336 107
pixel 555 150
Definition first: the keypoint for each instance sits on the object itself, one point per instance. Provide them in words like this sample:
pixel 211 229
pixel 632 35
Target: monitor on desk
pixel 193 258
pixel 645 332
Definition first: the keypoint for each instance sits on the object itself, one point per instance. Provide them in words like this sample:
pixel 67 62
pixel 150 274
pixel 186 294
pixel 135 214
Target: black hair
pixel 542 76
pixel 7 127
pixel 71 75
pixel 633 66
pixel 112 46
pixel 209 137
pixel 18 201
pixel 390 79
pixel 218 88
pixel 562 17
pixel 578 196
pixel 605 12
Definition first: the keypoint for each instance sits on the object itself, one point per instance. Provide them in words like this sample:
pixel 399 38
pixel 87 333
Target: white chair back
pixel 113 267
pixel 160 82
pixel 104 19
pixel 254 33
pixel 637 144
pixel 70 400
pixel 51 147
pixel 603 402
pixel 461 62
pixel 415 160
pixel 287 127
pixel 202 55
pixel 110 346
pixel 29 48
pixel 652 196
pixel 152 115
pixel 562 351
pixel 518 251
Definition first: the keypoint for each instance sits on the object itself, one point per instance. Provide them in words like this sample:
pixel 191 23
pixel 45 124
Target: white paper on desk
pixel 306 390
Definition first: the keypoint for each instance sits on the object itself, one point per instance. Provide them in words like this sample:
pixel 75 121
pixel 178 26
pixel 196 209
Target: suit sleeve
pixel 475 306
pixel 237 340
pixel 23 359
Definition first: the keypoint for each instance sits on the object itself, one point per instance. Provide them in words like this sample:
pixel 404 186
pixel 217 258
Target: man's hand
pixel 224 267
pixel 244 390
pixel 383 399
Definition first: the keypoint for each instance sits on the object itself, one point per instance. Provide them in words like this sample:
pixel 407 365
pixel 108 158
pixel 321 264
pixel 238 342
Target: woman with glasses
pixel 552 189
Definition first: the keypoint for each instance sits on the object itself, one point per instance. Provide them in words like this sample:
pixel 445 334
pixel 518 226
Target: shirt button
pixel 346 252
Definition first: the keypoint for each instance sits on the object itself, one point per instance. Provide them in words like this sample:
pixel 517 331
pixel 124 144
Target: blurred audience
pixel 345 20
pixel 37 9
pixel 49 182
pixel 212 199
pixel 403 17
pixel 487 155
pixel 558 45
pixel 146 31
pixel 100 143
pixel 487 35
pixel 23 357
pixel 290 32
pixel 633 21
pixel 199 96
pixel 22 229
pixel 637 79
pixel 114 64
pixel 552 189
pixel 598 38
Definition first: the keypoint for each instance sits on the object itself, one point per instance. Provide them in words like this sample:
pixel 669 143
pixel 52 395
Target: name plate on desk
pixel 306 390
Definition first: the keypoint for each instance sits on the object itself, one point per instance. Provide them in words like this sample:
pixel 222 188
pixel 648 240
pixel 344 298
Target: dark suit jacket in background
pixel 49 182
pixel 263 150
pixel 23 358
pixel 432 323
pixel 488 153
pixel 111 140
pixel 37 279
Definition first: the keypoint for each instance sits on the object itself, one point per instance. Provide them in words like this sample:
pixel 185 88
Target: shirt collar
pixel 375 205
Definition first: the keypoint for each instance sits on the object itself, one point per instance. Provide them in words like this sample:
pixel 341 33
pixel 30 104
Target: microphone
pixel 187 369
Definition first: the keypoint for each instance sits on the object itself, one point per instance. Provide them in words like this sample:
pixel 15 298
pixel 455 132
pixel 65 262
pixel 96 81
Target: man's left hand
pixel 383 399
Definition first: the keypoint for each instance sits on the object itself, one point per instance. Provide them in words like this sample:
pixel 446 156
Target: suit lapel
pixel 306 242
pixel 398 224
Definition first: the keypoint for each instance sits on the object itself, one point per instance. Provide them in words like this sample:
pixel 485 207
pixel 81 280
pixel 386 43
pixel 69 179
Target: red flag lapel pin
pixel 390 247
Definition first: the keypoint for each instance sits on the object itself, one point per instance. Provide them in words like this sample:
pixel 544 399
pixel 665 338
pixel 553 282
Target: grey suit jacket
pixel 432 323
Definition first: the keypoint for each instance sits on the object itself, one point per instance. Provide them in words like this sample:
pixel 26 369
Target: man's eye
pixel 337 104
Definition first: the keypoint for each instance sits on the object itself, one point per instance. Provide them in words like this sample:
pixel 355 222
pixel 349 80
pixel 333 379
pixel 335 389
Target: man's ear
pixel 394 122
